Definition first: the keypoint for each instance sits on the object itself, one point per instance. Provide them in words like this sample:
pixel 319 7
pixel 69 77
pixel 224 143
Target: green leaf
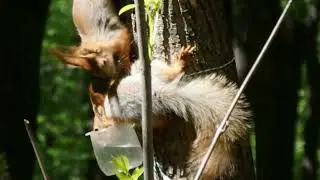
pixel 126 8
pixel 137 173
pixel 122 176
pixel 122 163
pixel 153 4
pixel 147 3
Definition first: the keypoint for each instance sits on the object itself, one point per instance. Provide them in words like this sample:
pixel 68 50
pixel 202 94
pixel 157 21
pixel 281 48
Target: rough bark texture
pixel 273 89
pixel 21 32
pixel 201 23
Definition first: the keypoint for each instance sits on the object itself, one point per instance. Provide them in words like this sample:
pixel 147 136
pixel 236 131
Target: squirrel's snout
pixel 103 62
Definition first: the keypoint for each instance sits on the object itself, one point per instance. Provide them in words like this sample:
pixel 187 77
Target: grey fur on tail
pixel 203 100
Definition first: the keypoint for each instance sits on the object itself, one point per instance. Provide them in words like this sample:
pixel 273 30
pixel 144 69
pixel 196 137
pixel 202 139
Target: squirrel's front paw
pixel 186 52
pixel 183 56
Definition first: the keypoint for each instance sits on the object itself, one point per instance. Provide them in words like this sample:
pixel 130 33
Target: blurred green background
pixel 64 108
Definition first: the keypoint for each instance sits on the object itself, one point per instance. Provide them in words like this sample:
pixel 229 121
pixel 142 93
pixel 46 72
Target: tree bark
pixel 22 31
pixel 200 23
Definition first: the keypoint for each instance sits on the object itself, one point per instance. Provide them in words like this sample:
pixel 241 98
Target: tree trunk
pixel 22 31
pixel 200 23
pixel 239 20
pixel 204 24
pixel 273 89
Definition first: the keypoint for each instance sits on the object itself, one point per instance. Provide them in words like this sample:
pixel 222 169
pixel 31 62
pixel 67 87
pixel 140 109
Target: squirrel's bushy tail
pixel 203 100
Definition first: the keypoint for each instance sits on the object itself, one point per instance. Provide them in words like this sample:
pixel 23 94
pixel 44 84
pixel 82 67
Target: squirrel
pixel 185 116
pixel 161 73
pixel 185 112
pixel 105 50
pixel 105 47
pixel 106 42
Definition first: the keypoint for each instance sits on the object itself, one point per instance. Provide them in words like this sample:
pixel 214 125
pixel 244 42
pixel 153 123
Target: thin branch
pixel 147 136
pixel 224 124
pixel 32 140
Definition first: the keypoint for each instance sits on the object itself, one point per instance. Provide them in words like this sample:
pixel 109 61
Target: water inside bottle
pixel 113 141
pixel 105 156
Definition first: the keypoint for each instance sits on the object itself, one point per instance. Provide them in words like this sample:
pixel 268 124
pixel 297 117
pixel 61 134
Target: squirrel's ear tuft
pixel 69 55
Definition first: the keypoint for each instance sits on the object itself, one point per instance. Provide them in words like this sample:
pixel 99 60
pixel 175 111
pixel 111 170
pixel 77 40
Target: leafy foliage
pixel 152 7
pixel 64 108
pixel 122 164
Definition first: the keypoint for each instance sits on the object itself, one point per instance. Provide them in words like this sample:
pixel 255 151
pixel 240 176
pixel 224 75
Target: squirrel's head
pixel 105 42
pixel 102 61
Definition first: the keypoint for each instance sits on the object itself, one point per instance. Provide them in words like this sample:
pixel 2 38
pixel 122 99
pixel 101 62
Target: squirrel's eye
pixel 116 59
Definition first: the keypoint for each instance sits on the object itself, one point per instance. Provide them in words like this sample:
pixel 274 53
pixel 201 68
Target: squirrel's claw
pixel 181 58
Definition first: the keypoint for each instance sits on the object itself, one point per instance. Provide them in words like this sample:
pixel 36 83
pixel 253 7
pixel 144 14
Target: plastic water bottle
pixel 113 141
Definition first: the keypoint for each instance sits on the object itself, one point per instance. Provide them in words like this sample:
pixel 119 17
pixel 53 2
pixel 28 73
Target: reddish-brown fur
pixel 105 42
pixel 105 56
pixel 93 56
pixel 103 48
pixel 97 96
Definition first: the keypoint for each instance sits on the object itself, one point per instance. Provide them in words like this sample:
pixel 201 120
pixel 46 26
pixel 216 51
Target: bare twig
pixel 147 136
pixel 222 127
pixel 32 140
